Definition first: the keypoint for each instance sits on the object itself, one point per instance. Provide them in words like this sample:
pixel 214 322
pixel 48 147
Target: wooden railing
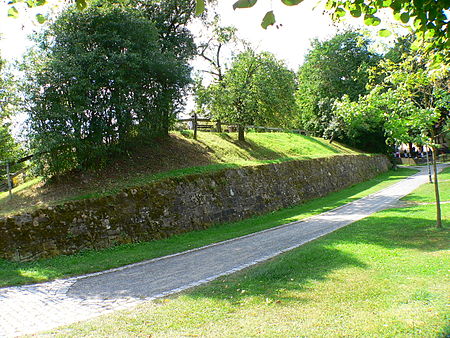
pixel 206 124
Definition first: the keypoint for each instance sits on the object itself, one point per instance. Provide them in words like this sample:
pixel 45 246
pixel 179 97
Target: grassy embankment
pixel 384 276
pixel 91 261
pixel 179 155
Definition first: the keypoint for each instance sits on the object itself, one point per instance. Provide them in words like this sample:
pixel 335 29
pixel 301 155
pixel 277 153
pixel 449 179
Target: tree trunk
pixel 195 126
pixel 219 126
pixel 436 191
pixel 241 133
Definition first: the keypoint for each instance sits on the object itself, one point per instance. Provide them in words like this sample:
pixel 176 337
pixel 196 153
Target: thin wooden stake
pixel 8 176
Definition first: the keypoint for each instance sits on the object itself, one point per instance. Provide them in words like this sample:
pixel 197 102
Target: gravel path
pixel 34 308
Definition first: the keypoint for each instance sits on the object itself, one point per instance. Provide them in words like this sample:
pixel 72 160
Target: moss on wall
pixel 180 204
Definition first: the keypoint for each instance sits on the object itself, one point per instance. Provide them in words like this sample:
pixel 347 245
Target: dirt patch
pixel 173 153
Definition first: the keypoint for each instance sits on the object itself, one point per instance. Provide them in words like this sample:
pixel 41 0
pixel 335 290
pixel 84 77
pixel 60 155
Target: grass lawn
pixel 384 276
pixel 178 155
pixel 91 261
pixel 425 194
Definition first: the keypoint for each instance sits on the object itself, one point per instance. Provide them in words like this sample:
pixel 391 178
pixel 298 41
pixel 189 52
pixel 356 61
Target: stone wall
pixel 177 205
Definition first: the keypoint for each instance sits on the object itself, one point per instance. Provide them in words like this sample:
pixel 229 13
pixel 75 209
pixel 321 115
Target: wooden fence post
pixel 195 126
pixel 8 177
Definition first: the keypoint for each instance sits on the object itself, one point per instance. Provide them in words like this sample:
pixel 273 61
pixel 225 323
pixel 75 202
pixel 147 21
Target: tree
pixel 10 150
pixel 257 89
pixel 171 19
pixel 332 68
pixel 213 44
pixel 98 81
pixel 413 105
pixel 216 46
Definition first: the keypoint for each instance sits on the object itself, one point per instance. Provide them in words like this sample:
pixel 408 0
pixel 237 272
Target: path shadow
pixel 254 149
pixel 286 273
pixel 284 276
pixel 322 144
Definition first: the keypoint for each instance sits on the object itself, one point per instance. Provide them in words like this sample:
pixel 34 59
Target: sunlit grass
pixel 220 151
pixel 90 261
pixel 384 276
pixel 426 194
pixel 5 194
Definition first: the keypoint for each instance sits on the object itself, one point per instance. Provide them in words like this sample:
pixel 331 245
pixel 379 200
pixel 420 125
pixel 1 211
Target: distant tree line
pixel 101 80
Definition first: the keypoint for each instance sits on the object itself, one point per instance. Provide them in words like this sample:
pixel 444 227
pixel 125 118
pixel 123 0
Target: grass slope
pixel 384 276
pixel 179 155
pixel 91 261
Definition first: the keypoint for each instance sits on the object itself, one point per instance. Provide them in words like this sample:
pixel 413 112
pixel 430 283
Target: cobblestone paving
pixel 39 307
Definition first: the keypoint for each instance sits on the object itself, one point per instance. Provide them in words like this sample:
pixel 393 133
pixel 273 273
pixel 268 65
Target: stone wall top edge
pixel 156 185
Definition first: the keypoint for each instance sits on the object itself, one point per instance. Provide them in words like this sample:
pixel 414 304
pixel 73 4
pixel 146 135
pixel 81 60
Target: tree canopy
pixel 257 89
pixel 332 68
pixel 98 80
pixel 9 149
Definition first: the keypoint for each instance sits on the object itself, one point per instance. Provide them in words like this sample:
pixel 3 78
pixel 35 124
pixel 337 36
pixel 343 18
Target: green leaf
pixel 81 4
pixel 199 7
pixel 356 13
pixel 13 12
pixel 41 2
pixel 269 19
pixel 329 5
pixel 384 33
pixel 291 2
pixel 30 3
pixel 340 12
pixel 244 4
pixel 40 18
pixel 404 17
pixel 371 20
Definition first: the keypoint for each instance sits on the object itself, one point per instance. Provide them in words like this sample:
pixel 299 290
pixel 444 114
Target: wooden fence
pixel 196 123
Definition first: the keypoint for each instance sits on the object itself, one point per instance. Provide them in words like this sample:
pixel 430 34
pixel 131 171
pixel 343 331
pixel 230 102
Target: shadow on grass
pixel 254 149
pixel 273 280
pixel 92 261
pixel 322 144
pixel 291 272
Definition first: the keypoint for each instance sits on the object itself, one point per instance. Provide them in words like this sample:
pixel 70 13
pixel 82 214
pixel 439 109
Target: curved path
pixel 34 308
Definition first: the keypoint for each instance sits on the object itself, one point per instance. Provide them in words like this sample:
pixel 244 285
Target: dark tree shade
pixel 100 81
pixel 332 69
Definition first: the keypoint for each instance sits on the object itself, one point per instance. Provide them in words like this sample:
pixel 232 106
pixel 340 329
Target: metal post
pixel 8 176
pixel 428 165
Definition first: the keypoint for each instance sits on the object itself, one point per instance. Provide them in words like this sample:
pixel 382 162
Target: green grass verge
pixel 4 195
pixel 210 152
pixel 91 261
pixel 384 276
pixel 425 194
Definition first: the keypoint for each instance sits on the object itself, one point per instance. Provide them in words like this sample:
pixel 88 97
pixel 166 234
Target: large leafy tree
pixel 257 89
pixel 171 19
pixel 10 150
pixel 332 68
pixel 412 105
pixel 99 80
